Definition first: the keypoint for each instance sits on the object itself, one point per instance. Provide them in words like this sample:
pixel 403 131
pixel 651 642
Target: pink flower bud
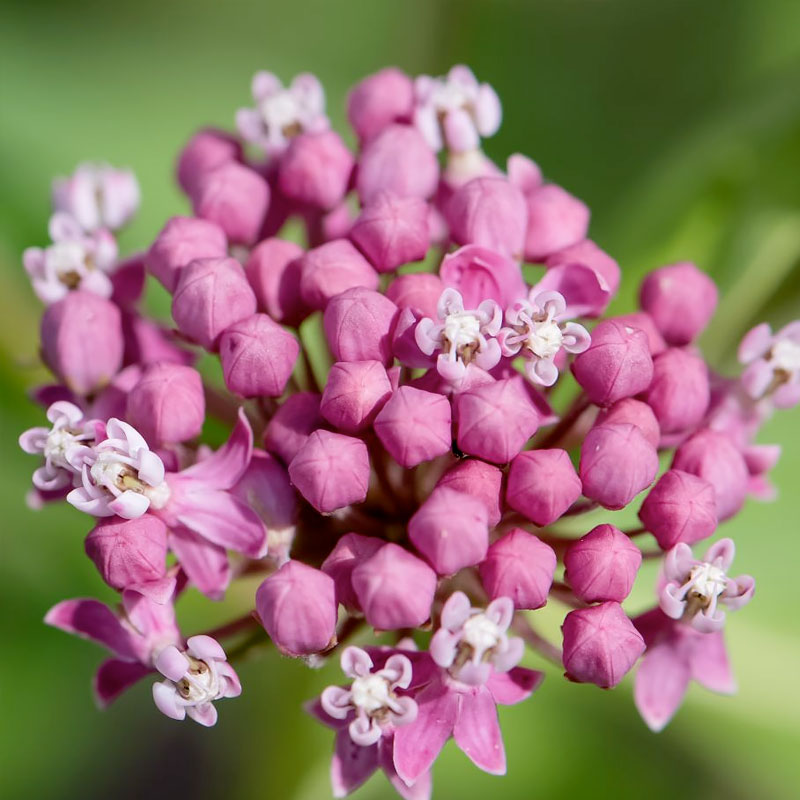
pixel 258 357
pixel 297 607
pixel 395 589
pixel 617 462
pixel 415 426
pixel 556 220
pixel 350 551
pixel 205 151
pixel 681 300
pixel 588 254
pixel 128 553
pixel 542 485
pixel 495 420
pixel 354 394
pixel 521 567
pixel 184 239
pixel 714 457
pixel 331 470
pixel 634 412
pixel 378 101
pixel 292 424
pixel 212 294
pixel 451 530
pixel 315 169
pixel 82 340
pixel 600 645
pixel 616 365
pixel 273 271
pixel 644 322
pixel 331 269
pixel 602 565
pixel 358 325
pixel 392 231
pixel 167 404
pixel 480 274
pixel 477 479
pixel 680 508
pixel 679 392
pixel 397 160
pixel 235 197
pixel 419 291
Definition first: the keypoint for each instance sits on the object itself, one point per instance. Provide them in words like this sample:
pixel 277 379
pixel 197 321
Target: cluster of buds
pixel 394 461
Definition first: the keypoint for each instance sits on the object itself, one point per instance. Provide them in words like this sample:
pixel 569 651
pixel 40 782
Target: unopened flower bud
pixel 542 485
pixel 378 101
pixel 556 220
pixel 477 479
pixel 587 253
pixel 332 268
pixel 350 551
pixel 292 424
pixel 355 392
pixel 419 291
pixel 679 392
pixel 205 151
pixel 644 322
pixel 273 271
pixel 634 412
pixel 358 325
pixel 480 274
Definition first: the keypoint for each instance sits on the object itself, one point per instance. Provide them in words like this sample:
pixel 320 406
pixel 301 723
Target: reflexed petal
pixel 514 686
pixel 205 564
pixel 351 764
pixel 93 620
pixel 477 731
pixel 661 683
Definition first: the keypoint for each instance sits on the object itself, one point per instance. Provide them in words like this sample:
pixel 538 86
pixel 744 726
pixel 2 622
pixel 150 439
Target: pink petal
pixel 351 764
pixel 477 731
pixel 423 786
pixel 114 677
pixel 205 564
pixel 709 664
pixel 514 686
pixel 92 620
pixel 586 292
pixel 661 684
pixel 755 343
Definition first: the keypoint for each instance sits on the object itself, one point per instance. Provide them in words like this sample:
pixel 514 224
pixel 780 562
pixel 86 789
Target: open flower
pixel 772 364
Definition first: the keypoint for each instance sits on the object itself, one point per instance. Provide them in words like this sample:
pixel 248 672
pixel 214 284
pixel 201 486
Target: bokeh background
pixel 678 122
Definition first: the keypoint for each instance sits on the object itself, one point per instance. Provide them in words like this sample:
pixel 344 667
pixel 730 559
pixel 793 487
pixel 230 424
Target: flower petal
pixel 477 731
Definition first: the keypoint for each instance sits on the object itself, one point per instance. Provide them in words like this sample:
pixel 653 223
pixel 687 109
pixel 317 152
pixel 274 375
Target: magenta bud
pixel 82 340
pixel 616 365
pixel 419 291
pixel 350 551
pixel 644 322
pixel 617 462
pixel 634 412
pixel 713 456
pixel 297 607
pixel 358 326
pixel 602 565
pixel 331 269
pixel 181 240
pixel 556 220
pixel 273 271
pixel 490 212
pixel 415 426
pixel 394 588
pixel 331 470
pixel 521 567
pixel 397 160
pixel 451 530
pixel 600 645
pixel 480 274
pixel 392 231
pixel 128 552
pixel 679 392
pixel 477 479
pixel 378 101
pixel 542 485
pixel 167 404
pixel 588 254
pixel 681 300
pixel 292 424
pixel 257 356
pixel 681 507
pixel 354 394
pixel 315 169
pixel 212 294
pixel 235 197
pixel 495 420
pixel 205 151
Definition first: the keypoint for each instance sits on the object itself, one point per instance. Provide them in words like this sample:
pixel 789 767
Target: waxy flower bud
pixel 600 645
pixel 451 530
pixel 644 322
pixel 542 485
pixel 477 479
pixel 480 274
pixel 419 291
pixel 235 197
pixel 521 567
pixel 167 404
pixel 679 392
pixel 616 365
pixel 392 231
pixel 350 551
pixel 273 271
pixel 205 151
pixel 589 255
pixel 297 607
pixel 395 589
pixel 415 426
pixel 331 470
pixel 212 294
pixel 617 462
pixel 257 356
pixel 378 101
pixel 354 393
pixel 602 565
pixel 82 341
pixel 634 412
pixel 681 300
pixel 292 424
pixel 680 508
pixel 556 220
pixel 181 240
pixel 358 325
pixel 332 268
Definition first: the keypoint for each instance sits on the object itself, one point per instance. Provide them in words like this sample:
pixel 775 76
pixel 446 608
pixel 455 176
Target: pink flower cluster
pixel 394 461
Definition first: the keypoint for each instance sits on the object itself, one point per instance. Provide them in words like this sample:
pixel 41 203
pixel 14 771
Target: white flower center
pixel 449 96
pixel 58 442
pixel 545 338
pixel 280 111
pixel 461 329
pixel 785 356
pixel 158 495
pixel 481 634
pixel 200 684
pixel 370 693
pixel 707 581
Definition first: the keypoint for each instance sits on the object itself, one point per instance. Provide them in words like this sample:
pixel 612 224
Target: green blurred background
pixel 679 124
